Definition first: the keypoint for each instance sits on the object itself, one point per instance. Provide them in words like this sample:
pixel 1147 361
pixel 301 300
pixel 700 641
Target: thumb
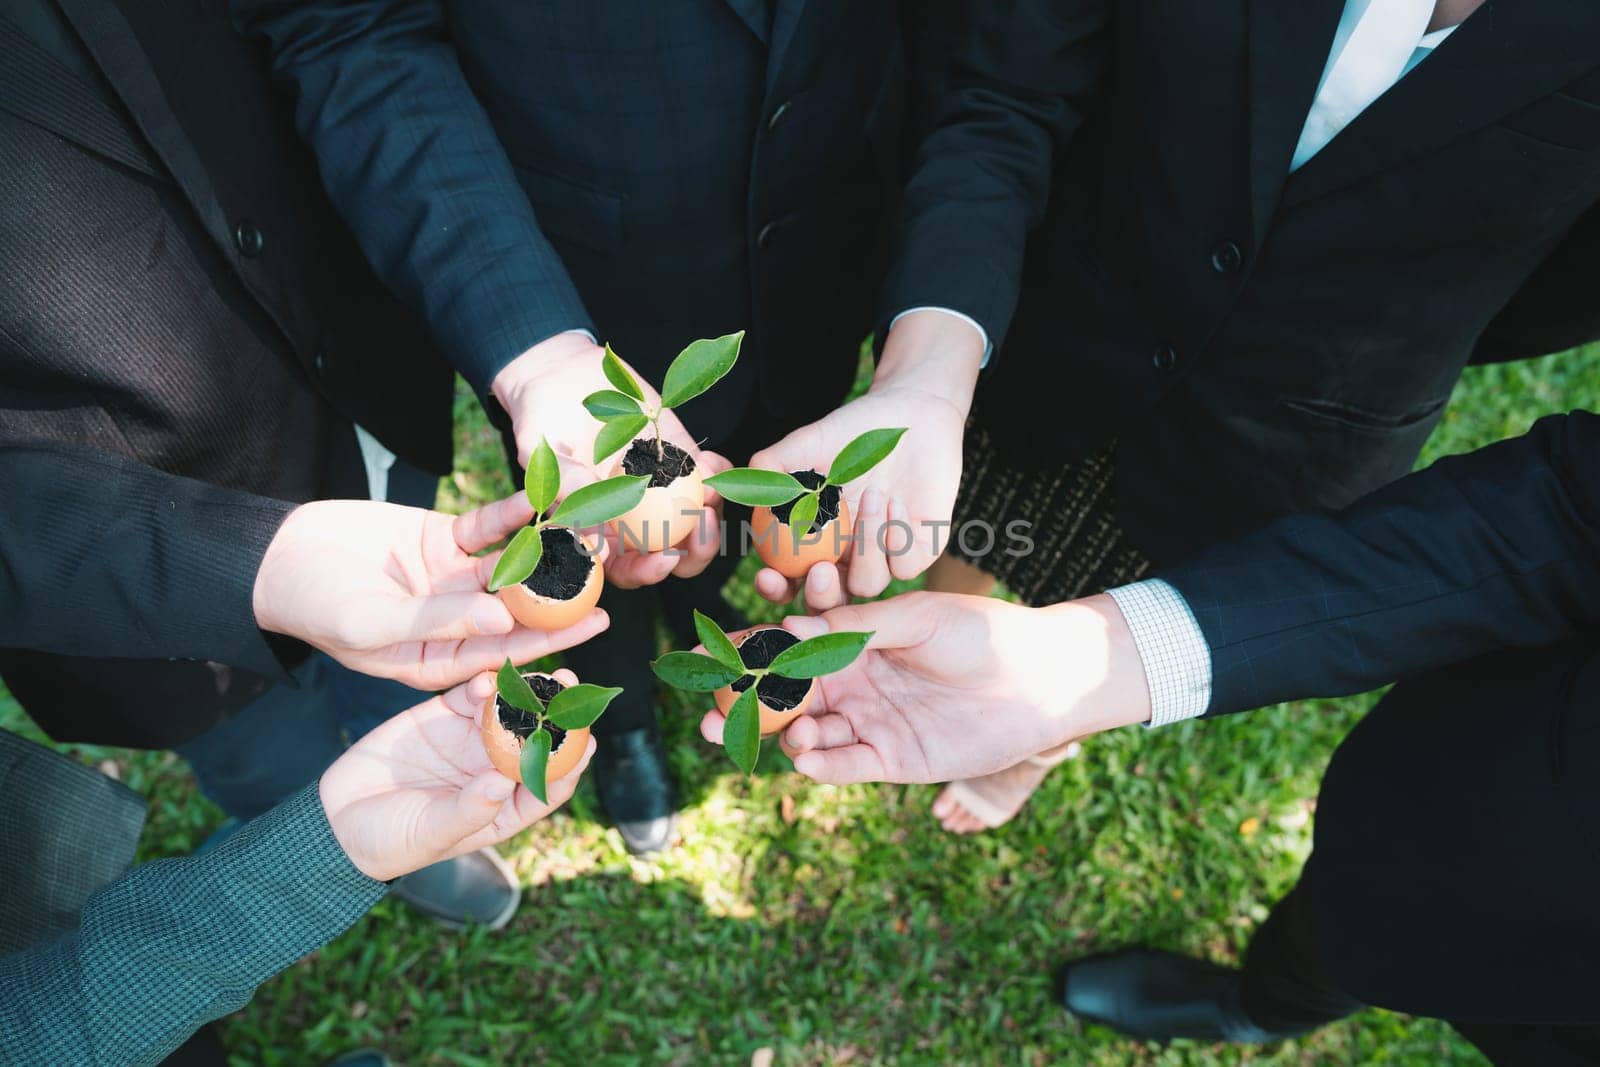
pixel 796 452
pixel 899 622
pixel 472 809
pixel 447 617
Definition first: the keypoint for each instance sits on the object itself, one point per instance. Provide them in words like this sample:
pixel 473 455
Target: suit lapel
pixel 785 20
pixel 111 41
pixel 1505 56
pixel 1289 45
pixel 756 14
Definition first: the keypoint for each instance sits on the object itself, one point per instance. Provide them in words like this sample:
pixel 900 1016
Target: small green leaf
pixel 756 488
pixel 601 502
pixel 717 643
pixel 608 404
pixel 694 673
pixel 542 480
pixel 578 706
pixel 515 690
pixel 519 559
pixel 803 513
pixel 616 434
pixel 816 656
pixel 741 733
pixel 618 375
pixel 698 368
pixel 862 454
pixel 535 758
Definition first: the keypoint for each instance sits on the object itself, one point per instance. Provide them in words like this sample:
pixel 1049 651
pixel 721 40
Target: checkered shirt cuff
pixel 1177 660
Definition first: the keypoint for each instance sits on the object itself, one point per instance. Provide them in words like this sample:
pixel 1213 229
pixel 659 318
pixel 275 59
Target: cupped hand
pixel 954 687
pixel 543 391
pixel 420 788
pixel 397 592
pixel 902 507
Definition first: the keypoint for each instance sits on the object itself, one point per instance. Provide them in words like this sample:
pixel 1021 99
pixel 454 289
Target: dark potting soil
pixel 520 722
pixel 827 506
pixel 760 649
pixel 672 464
pixel 564 567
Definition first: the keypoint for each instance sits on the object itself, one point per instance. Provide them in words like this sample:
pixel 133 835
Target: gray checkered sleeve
pixel 1177 660
pixel 173 944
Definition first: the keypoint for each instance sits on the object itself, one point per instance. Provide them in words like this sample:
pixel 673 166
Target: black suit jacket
pixel 1457 858
pixel 186 334
pixel 651 172
pixel 1259 342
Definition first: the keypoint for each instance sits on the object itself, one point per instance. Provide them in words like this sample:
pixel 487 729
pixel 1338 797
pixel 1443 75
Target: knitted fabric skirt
pixel 1072 544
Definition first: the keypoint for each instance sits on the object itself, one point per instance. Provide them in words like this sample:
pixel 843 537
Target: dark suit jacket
pixel 1259 342
pixel 186 333
pixel 1457 856
pixel 652 172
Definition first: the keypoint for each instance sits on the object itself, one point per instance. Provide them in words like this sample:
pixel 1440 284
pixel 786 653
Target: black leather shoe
pixel 636 788
pixel 1157 996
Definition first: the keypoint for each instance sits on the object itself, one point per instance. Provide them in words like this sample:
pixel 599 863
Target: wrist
pixel 934 353
pixel 1098 674
pixel 530 364
pixel 266 596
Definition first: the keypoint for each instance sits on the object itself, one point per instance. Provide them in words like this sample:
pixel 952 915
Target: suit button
pixel 777 115
pixel 320 361
pixel 768 232
pixel 248 239
pixel 1165 359
pixel 1226 258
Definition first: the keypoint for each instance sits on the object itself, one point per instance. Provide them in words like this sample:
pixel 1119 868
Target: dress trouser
pixel 1407 820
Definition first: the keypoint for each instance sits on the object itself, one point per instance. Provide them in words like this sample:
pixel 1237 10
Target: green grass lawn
pixel 841 925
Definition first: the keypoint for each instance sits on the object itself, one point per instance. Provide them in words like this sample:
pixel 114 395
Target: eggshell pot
pixel 539 612
pixel 779 549
pixel 772 720
pixel 505 747
pixel 667 514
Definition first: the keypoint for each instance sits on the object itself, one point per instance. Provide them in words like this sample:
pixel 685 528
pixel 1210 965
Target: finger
pixel 565 677
pixel 842 766
pixel 811 732
pixel 910 557
pixel 482 527
pixel 711 725
pixel 443 617
pixel 468 698
pixel 824 589
pixel 775 587
pixel 711 463
pixel 899 622
pixel 523 645
pixel 701 546
pixel 869 569
pixel 630 570
pixel 472 810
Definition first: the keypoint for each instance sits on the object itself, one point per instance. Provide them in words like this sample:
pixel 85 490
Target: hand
pixel 543 391
pixel 902 507
pixel 396 592
pixel 954 687
pixel 420 788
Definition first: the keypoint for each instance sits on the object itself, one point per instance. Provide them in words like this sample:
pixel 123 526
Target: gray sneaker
pixel 362 1057
pixel 477 889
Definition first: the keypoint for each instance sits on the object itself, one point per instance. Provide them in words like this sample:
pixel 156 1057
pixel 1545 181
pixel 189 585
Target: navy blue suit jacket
pixel 1492 550
pixel 652 172
pixel 1456 852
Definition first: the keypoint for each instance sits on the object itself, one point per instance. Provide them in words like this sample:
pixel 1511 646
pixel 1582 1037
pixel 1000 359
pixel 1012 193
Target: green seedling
pixel 590 506
pixel 574 708
pixel 624 411
pixel 770 489
pixel 722 666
